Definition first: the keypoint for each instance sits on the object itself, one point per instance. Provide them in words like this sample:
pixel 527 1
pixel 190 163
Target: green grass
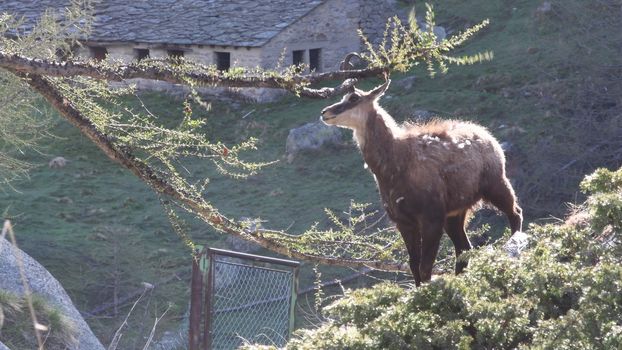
pixel 102 232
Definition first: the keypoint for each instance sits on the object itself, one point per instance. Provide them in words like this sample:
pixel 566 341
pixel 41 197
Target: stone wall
pixel 206 54
pixel 330 27
pixel 258 95
pixel 374 15
pixel 240 56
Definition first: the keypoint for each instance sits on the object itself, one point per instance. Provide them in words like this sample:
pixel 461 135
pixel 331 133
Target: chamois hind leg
pixel 454 226
pixel 502 196
pixel 431 232
pixel 412 240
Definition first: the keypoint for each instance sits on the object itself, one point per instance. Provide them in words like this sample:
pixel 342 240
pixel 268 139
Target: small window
pixel 298 57
pixel 223 60
pixel 63 54
pixel 141 54
pixel 98 52
pixel 315 60
pixel 175 53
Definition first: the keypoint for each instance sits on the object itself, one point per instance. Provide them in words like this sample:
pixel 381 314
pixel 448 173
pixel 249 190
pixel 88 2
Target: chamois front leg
pixel 412 240
pixel 431 231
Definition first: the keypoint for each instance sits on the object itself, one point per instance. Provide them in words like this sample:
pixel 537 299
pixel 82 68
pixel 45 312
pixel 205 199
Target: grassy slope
pixel 95 226
pixel 92 223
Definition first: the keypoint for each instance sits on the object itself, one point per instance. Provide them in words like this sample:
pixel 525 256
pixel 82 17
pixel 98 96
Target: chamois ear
pixel 378 91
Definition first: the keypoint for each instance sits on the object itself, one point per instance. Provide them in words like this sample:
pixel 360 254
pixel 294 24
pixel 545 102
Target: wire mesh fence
pixel 247 298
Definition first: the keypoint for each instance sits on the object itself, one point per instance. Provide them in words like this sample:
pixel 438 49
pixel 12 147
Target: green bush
pixel 564 292
pixel 605 201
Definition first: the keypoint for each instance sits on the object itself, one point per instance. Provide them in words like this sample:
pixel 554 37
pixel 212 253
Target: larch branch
pixel 196 204
pixel 297 83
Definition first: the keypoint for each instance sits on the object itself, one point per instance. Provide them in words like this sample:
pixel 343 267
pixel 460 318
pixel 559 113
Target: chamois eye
pixel 353 98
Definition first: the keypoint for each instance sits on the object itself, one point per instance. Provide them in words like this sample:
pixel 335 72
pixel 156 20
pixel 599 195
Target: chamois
pixel 429 176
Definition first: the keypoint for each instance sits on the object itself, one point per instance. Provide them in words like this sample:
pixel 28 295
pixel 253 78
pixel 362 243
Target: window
pixel 141 54
pixel 298 57
pixel 175 53
pixel 315 60
pixel 98 52
pixel 223 60
pixel 63 54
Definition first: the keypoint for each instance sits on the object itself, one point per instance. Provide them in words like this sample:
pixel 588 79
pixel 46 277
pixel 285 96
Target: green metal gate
pixel 239 298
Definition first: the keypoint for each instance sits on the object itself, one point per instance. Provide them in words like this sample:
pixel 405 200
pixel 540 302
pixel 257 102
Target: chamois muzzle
pixel 326 115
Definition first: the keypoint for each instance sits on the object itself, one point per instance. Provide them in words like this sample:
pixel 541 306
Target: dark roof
pixel 207 22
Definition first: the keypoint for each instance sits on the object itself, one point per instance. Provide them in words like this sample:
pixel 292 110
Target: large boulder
pixel 311 136
pixel 176 339
pixel 440 32
pixel 544 9
pixel 517 243
pixel 405 83
pixel 43 284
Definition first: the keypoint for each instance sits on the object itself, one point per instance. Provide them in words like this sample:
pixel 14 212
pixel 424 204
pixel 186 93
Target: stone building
pixel 227 33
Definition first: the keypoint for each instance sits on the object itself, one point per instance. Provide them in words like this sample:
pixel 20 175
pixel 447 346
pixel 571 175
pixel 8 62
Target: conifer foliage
pixel 563 292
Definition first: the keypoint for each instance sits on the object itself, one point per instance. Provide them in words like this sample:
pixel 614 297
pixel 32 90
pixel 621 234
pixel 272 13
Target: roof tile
pixel 207 22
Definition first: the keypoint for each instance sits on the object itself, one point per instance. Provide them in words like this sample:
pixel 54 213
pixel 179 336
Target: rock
pixel 64 200
pixel 310 137
pixel 516 244
pixel 544 9
pixel 509 131
pixel 421 115
pixel 58 162
pixel 405 83
pixel 43 284
pixel 439 31
pixel 257 95
pixel 241 245
pixel 178 91
pixel 172 340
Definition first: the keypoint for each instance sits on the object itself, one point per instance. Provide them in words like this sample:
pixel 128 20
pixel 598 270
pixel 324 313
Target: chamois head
pixel 354 108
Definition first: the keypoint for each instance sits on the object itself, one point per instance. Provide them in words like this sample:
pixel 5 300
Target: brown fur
pixel 429 175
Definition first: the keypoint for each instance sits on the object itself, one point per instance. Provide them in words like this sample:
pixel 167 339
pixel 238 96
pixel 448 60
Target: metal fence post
pixel 196 289
pixel 207 330
pixel 292 307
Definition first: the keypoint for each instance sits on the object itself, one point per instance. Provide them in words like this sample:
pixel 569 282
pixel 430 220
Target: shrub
pixel 564 292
